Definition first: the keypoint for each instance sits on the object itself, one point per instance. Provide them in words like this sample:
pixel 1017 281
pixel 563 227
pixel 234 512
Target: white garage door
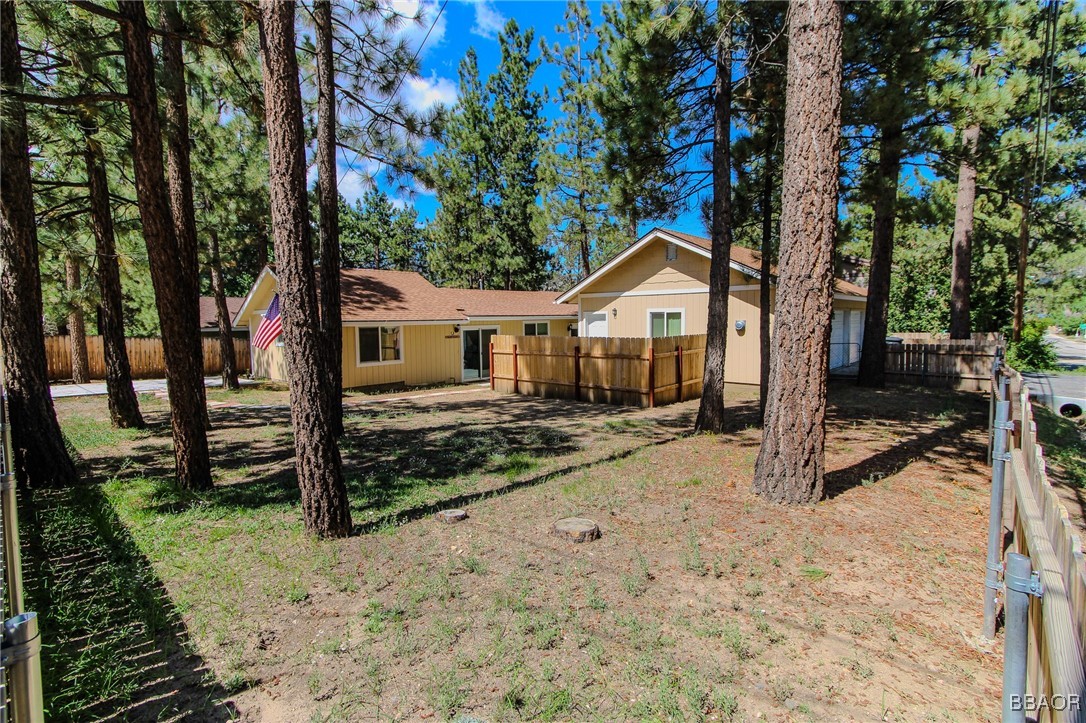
pixel 595 324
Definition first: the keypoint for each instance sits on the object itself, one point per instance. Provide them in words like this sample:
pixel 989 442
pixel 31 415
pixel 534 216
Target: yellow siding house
pixel 399 329
pixel 659 286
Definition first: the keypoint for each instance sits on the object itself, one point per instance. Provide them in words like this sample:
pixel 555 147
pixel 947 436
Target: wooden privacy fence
pixel 1043 532
pixel 629 371
pixel 964 364
pixel 145 356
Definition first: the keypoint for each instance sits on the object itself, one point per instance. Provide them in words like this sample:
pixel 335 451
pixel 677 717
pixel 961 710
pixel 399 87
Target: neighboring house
pixel 659 286
pixel 398 328
pixel 209 317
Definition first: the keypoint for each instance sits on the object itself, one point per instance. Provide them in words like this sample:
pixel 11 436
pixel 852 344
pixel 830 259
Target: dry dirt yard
pixel 699 602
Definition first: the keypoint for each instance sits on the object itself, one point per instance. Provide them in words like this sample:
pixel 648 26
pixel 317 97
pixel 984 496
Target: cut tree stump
pixel 577 529
pixel 451 516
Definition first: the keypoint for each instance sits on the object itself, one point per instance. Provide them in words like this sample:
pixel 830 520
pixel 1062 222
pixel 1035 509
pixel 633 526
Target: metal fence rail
pixel 1044 579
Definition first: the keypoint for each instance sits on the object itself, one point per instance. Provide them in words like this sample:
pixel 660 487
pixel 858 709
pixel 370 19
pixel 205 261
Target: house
pixel 659 286
pixel 209 315
pixel 399 329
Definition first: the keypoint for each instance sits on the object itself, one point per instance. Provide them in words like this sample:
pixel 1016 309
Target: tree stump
pixel 451 516
pixel 577 529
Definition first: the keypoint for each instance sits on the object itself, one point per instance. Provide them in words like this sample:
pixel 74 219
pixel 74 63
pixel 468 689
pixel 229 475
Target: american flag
pixel 270 327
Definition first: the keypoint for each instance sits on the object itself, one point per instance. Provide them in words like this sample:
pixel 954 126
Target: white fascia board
pixel 266 271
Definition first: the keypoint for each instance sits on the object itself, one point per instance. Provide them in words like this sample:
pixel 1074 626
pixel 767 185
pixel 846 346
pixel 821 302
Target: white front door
pixel 595 323
pixel 839 340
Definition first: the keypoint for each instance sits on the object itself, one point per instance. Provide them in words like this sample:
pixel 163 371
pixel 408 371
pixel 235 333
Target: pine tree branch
pixel 71 100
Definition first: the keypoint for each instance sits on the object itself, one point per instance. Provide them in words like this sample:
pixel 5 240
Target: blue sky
pixel 462 25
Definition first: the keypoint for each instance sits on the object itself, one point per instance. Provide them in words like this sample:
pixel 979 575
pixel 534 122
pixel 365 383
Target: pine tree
pixel 41 458
pixel 790 464
pixel 325 508
pixel 577 200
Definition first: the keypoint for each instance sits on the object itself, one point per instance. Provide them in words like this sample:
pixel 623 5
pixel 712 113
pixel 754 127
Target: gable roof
pixel 747 261
pixel 209 314
pixel 372 295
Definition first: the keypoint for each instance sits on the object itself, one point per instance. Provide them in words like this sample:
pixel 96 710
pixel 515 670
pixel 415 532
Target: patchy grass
pixel 1065 446
pixel 700 602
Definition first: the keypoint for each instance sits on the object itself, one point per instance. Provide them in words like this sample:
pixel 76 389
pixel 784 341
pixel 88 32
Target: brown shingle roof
pixel 209 318
pixel 372 295
pixel 753 259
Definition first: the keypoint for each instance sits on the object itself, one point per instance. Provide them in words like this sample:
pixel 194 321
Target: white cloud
pixel 488 20
pixel 421 22
pixel 422 94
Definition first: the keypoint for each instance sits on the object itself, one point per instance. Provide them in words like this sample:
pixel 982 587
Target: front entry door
pixel 476 353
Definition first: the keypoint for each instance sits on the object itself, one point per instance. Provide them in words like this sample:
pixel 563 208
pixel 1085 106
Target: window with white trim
pixel 665 323
pixel 378 344
pixel 672 252
pixel 537 328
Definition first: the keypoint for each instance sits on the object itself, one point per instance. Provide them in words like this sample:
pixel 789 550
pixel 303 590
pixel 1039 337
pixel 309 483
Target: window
pixel 665 323
pixel 672 252
pixel 536 328
pixel 378 344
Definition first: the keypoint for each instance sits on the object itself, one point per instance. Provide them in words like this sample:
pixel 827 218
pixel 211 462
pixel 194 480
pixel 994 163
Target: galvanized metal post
pixel 13 568
pixel 1021 586
pixel 995 517
pixel 21 660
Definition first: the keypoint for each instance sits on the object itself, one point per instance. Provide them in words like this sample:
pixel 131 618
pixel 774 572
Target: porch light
pixel 614 312
pixel 740 324
pixel 456 328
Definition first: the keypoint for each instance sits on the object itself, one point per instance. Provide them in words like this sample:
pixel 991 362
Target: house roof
pixel 371 295
pixel 209 316
pixel 743 259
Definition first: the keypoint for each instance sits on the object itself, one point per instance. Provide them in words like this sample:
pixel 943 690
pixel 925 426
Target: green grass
pixel 1064 445
pixel 87 433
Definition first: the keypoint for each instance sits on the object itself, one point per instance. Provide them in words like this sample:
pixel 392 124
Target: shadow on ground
pixel 115 647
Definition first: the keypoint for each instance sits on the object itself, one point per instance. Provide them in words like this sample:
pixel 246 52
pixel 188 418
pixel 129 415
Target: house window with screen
pixel 536 328
pixel 377 344
pixel 672 252
pixel 665 323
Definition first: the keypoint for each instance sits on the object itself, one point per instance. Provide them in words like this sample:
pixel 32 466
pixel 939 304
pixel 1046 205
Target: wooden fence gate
pixel 631 371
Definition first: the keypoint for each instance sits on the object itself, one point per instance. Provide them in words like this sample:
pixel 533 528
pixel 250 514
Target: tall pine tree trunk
pixel 962 241
pixel 331 316
pixel 178 308
pixel 41 459
pixel 124 409
pixel 1020 271
pixel 325 506
pixel 872 372
pixel 222 313
pixel 77 325
pixel 765 303
pixel 791 461
pixel 711 410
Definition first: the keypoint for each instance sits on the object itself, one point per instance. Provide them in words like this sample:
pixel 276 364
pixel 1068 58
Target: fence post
pixel 1021 585
pixel 652 377
pixel 577 372
pixel 995 517
pixel 491 366
pixel 21 660
pixel 679 370
pixel 924 366
pixel 516 380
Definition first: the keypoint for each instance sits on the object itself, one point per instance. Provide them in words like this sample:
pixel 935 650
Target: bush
pixel 1032 353
pixel 1069 324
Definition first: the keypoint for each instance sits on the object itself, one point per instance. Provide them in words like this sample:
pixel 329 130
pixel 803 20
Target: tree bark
pixel 325 507
pixel 962 241
pixel 222 313
pixel 872 372
pixel 178 308
pixel 328 195
pixel 765 304
pixel 124 408
pixel 711 410
pixel 41 459
pixel 791 461
pixel 77 326
pixel 1020 272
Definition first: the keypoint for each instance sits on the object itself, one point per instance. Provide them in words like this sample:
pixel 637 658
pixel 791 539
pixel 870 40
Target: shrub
pixel 1032 353
pixel 1069 324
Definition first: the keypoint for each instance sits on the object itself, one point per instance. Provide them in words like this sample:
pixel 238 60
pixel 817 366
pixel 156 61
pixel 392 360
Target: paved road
pixel 1056 385
pixel 142 386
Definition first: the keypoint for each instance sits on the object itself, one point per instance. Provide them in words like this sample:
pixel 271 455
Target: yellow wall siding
pixel 369 375
pixel 267 363
pixel 649 269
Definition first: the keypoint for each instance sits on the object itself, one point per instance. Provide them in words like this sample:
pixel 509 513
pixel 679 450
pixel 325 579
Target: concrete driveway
pixel 142 386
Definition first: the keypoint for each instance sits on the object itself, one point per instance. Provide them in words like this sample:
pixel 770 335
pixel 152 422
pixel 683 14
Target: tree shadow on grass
pixel 114 645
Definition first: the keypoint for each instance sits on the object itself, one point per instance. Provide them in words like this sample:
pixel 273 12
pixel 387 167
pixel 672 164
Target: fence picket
pixel 145 356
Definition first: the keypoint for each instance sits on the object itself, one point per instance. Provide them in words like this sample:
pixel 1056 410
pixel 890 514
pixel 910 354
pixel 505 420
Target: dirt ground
pixel 699 602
